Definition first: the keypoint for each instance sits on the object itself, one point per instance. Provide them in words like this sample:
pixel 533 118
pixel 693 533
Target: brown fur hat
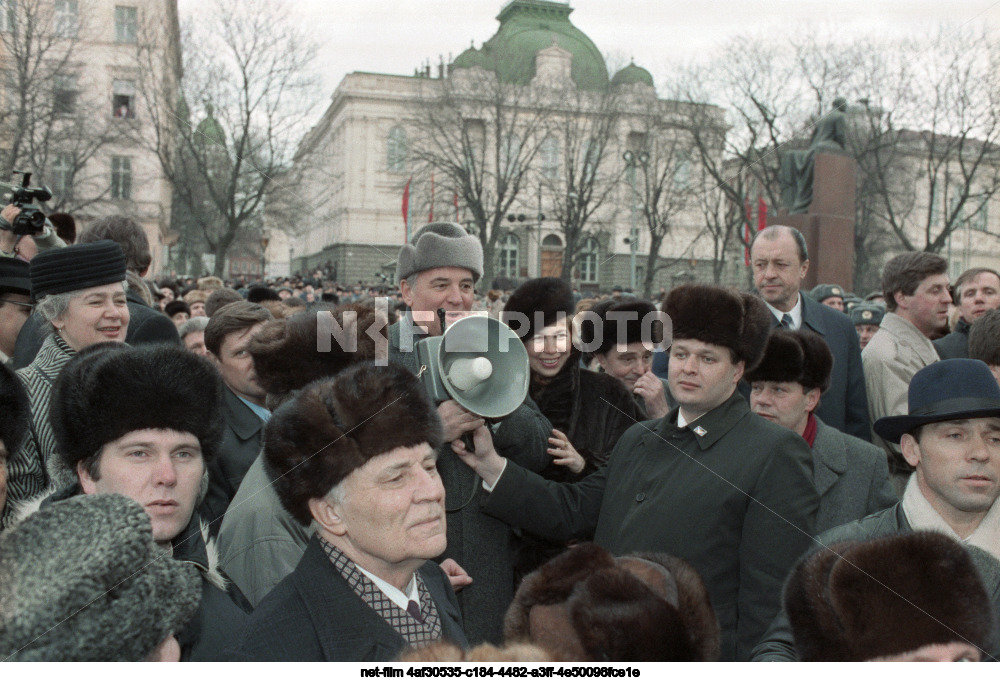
pixel 286 355
pixel 545 297
pixel 336 425
pixel 720 316
pixel 801 357
pixel 599 325
pixel 858 601
pixel 196 296
pixel 585 605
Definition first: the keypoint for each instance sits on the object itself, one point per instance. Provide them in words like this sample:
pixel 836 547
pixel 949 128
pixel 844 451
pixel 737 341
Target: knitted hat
pixel 602 323
pixel 286 354
pixel 74 268
pixel 799 357
pixel 14 276
pixel 823 291
pixel 14 411
pixel 546 299
pixel 109 390
pixel 81 580
pixel 440 244
pixel 337 425
pixel 720 316
pixel 175 306
pixel 585 605
pixel 858 601
pixel 867 313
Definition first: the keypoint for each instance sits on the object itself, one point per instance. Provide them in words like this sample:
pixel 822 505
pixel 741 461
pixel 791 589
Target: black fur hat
pixel 336 425
pixel 799 357
pixel 862 600
pixel 286 355
pixel 585 605
pixel 548 297
pixel 110 389
pixel 598 325
pixel 720 316
pixel 14 411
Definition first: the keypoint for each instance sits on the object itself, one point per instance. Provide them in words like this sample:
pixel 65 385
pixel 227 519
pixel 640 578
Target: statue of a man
pixel 796 172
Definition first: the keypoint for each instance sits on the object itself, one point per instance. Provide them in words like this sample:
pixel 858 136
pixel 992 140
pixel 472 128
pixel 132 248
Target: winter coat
pixel 778 645
pixel 222 611
pixel 33 468
pixel 313 615
pixel 241 443
pixel 956 344
pixel 477 542
pixel 732 494
pixel 145 325
pixel 260 543
pixel 851 477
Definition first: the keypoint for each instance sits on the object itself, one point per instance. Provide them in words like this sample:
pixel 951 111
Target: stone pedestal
pixel 828 225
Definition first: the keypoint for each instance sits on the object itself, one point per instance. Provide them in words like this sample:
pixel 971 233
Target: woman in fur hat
pixel 80 291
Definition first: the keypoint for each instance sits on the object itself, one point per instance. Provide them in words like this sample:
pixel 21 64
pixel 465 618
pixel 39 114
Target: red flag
pixel 746 234
pixel 456 207
pixel 761 214
pixel 430 218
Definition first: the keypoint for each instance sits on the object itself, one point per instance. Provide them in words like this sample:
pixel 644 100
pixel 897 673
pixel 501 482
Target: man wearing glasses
pixel 15 303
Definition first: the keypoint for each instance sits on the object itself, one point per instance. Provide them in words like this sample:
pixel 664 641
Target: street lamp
pixel 632 161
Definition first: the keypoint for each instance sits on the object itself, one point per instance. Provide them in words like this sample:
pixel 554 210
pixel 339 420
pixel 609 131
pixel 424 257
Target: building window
pixel 591 158
pixel 509 262
pixel 123 99
pixel 682 171
pixel 396 150
pixel 549 152
pixel 10 96
pixel 62 176
pixel 588 261
pixel 121 177
pixel 7 15
pixel 979 220
pixel 511 156
pixel 66 23
pixel 126 24
pixel 64 94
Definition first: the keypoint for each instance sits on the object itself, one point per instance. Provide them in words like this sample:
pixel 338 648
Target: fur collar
pixel 922 516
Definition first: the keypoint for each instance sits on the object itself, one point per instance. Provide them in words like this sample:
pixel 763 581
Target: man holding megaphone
pixel 437 273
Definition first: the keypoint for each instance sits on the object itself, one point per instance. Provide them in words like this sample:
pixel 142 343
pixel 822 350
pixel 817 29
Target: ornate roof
pixel 632 74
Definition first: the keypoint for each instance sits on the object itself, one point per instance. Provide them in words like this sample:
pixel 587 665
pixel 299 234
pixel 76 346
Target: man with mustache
pixel 951 437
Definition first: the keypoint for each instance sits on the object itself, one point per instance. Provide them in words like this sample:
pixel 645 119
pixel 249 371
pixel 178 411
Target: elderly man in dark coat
pixel 438 270
pixel 851 475
pixel 355 455
pixel 710 482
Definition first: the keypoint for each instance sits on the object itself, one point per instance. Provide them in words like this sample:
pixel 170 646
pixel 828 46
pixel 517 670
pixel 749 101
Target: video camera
pixel 31 219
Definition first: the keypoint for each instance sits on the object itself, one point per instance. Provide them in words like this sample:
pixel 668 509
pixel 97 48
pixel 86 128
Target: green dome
pixel 210 129
pixel 632 74
pixel 471 57
pixel 527 26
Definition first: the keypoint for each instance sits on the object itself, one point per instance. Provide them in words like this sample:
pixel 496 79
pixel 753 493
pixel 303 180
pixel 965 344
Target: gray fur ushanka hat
pixel 81 580
pixel 440 244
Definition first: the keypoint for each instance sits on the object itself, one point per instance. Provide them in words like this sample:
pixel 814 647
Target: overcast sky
pixel 395 36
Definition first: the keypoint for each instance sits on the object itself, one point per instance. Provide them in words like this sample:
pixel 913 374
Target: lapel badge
pixel 699 431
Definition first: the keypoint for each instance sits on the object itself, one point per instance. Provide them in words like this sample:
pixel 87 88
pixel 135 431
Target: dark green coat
pixel 736 501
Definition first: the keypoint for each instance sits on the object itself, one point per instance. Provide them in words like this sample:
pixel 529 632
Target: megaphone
pixel 478 362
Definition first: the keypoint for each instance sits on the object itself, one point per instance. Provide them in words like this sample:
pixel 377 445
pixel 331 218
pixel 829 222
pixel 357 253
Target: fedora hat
pixel 945 391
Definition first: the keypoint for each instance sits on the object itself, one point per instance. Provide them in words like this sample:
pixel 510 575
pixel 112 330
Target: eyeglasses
pixel 30 306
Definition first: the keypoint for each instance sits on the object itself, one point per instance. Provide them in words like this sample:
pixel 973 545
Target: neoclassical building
pixel 373 145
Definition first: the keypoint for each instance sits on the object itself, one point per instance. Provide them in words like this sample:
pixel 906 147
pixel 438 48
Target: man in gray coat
pixel 851 475
pixel 952 438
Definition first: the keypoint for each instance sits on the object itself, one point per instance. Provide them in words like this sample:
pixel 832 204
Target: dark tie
pixel 414 609
pixel 786 321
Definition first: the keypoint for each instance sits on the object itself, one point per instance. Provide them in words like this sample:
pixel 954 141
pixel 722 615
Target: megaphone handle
pixel 470 446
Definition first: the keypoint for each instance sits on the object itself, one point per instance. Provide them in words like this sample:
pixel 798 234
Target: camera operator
pixel 20 246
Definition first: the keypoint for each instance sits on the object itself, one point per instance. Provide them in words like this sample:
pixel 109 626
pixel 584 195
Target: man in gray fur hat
pixel 438 270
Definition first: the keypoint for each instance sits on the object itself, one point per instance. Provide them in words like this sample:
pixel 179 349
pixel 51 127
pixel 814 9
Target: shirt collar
pixel 795 312
pixel 261 412
pixel 400 598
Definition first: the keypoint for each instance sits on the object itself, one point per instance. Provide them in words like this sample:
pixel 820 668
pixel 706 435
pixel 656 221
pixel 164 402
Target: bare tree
pixel 247 81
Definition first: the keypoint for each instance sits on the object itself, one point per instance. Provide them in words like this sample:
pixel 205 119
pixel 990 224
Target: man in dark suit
pixel 355 456
pixel 146 325
pixel 780 261
pixel 976 292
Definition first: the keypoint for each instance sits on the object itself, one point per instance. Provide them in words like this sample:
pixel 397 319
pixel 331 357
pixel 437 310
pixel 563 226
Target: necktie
pixel 786 321
pixel 414 610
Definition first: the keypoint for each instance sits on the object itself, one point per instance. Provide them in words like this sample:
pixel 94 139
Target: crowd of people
pixel 191 470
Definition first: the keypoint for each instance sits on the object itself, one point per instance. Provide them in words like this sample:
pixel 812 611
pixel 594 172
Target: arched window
pixel 396 150
pixel 588 261
pixel 549 151
pixel 509 257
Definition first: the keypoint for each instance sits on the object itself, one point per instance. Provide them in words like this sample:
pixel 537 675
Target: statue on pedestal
pixel 796 172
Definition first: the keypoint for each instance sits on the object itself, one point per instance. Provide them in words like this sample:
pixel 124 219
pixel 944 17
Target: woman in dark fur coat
pixel 589 411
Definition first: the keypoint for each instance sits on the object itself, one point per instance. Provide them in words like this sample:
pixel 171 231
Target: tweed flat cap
pixel 440 244
pixel 81 580
pixel 74 268
pixel 14 276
